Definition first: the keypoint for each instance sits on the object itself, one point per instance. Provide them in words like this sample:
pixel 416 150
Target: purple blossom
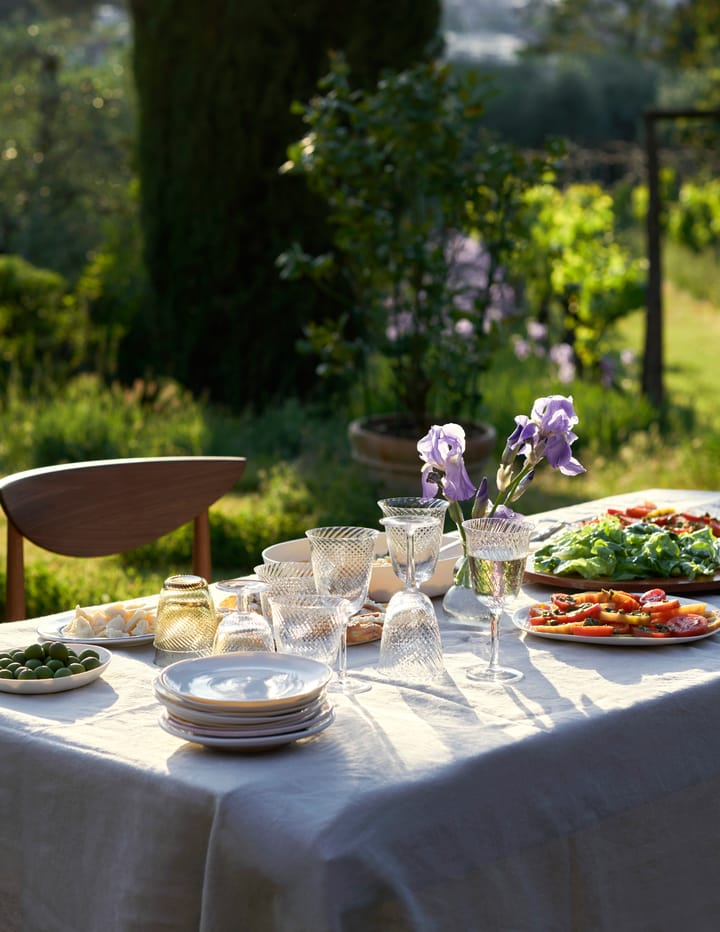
pixel 464 328
pixel 442 450
pixel 546 433
pixel 536 331
pixel 521 348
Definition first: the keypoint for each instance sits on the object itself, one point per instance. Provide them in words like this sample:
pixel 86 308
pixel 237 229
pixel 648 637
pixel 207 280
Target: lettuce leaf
pixel 604 548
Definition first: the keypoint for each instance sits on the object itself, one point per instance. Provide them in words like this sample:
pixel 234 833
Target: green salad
pixel 604 548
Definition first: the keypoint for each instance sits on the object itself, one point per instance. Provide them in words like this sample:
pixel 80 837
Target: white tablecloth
pixel 583 798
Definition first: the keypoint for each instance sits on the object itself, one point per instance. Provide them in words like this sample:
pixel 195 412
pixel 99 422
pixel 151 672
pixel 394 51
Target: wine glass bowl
pixel 427 538
pixel 342 559
pixel 410 647
pixel 497 550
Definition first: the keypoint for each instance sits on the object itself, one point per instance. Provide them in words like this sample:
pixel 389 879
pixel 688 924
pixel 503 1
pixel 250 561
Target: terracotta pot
pixel 386 446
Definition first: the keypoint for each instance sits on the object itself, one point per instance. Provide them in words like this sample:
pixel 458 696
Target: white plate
pixel 253 680
pixel 64 683
pixel 245 744
pixel 221 717
pixel 383 581
pixel 250 731
pixel 521 620
pixel 52 630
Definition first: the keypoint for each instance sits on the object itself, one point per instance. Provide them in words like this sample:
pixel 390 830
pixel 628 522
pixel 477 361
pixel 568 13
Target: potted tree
pixel 426 212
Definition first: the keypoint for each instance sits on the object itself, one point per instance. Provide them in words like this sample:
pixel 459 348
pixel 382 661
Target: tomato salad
pixel 614 613
pixel 679 522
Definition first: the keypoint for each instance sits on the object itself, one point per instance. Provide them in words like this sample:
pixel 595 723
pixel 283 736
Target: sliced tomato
pixel 623 600
pixel 661 608
pixel 595 631
pixel 686 625
pixel 640 511
pixel 652 595
pixel 540 608
pixel 692 608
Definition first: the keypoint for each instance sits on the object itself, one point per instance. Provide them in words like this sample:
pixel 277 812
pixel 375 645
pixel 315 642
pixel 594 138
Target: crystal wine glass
pixel 342 559
pixel 410 647
pixel 427 540
pixel 243 629
pixel 498 549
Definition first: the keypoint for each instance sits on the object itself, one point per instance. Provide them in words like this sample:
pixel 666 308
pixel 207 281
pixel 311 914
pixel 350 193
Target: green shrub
pixel 87 420
pixel 42 331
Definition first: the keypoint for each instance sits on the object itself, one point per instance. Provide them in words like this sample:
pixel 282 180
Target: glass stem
pixel 410 581
pixel 495 636
pixel 342 654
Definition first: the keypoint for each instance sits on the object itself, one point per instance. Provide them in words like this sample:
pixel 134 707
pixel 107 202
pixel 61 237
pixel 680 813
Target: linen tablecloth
pixel 583 797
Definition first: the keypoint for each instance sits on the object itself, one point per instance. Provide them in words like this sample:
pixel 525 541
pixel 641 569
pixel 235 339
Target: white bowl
pixel 383 582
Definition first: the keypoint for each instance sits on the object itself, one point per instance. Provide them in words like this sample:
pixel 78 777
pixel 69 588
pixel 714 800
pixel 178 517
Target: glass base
pixel 348 686
pixel 492 675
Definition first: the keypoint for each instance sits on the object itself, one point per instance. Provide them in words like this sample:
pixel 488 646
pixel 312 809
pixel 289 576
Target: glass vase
pixel 459 602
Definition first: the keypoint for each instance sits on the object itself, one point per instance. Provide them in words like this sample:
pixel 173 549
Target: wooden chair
pixel 106 507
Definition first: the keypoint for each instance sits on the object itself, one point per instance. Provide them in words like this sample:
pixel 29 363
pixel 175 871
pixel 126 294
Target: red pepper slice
pixel 596 631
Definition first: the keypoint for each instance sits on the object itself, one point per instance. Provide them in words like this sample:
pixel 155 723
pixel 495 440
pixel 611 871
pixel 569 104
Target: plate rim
pixel 520 616
pixel 249 744
pixel 674 584
pixel 322 673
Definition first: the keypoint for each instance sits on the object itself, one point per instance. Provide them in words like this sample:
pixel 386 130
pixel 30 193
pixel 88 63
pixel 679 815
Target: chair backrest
pixel 106 507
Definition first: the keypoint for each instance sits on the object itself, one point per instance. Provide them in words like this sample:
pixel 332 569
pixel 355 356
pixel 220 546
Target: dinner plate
pixel 202 715
pixel 38 687
pixel 245 744
pixel 521 620
pixel 53 629
pixel 250 731
pixel 252 680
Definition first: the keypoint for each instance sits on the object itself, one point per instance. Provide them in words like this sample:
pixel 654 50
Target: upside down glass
pixel 497 549
pixel 186 620
pixel 342 559
pixel 410 647
pixel 245 628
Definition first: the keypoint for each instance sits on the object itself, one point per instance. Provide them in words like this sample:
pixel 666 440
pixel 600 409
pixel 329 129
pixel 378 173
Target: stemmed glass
pixel 342 559
pixel 427 540
pixel 243 629
pixel 410 646
pixel 498 549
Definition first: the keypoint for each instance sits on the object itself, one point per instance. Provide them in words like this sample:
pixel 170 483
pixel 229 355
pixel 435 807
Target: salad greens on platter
pixel 608 548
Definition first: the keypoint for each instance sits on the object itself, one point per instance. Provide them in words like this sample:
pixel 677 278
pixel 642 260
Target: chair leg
pixel 201 546
pixel 15 571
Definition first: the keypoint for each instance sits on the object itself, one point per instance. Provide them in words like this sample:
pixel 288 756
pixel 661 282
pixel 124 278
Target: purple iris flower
pixel 548 433
pixel 442 450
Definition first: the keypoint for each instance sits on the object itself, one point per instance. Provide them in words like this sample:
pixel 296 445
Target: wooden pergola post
pixel 652 372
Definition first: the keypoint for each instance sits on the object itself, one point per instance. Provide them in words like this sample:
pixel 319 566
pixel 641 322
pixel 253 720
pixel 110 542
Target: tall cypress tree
pixel 215 83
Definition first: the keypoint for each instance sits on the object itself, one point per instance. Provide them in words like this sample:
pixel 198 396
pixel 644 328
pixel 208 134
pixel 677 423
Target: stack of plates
pixel 244 701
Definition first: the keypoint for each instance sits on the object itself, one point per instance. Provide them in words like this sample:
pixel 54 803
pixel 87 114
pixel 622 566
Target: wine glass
pixel 410 645
pixel 427 540
pixel 244 628
pixel 342 559
pixel 497 549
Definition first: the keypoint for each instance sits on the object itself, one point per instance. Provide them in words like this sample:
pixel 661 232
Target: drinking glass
pixel 309 624
pixel 497 549
pixel 284 579
pixel 245 628
pixel 410 646
pixel 427 540
pixel 342 559
pixel 186 620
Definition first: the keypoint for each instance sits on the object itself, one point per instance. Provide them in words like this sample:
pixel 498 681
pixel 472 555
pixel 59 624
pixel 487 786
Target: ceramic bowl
pixel 383 582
